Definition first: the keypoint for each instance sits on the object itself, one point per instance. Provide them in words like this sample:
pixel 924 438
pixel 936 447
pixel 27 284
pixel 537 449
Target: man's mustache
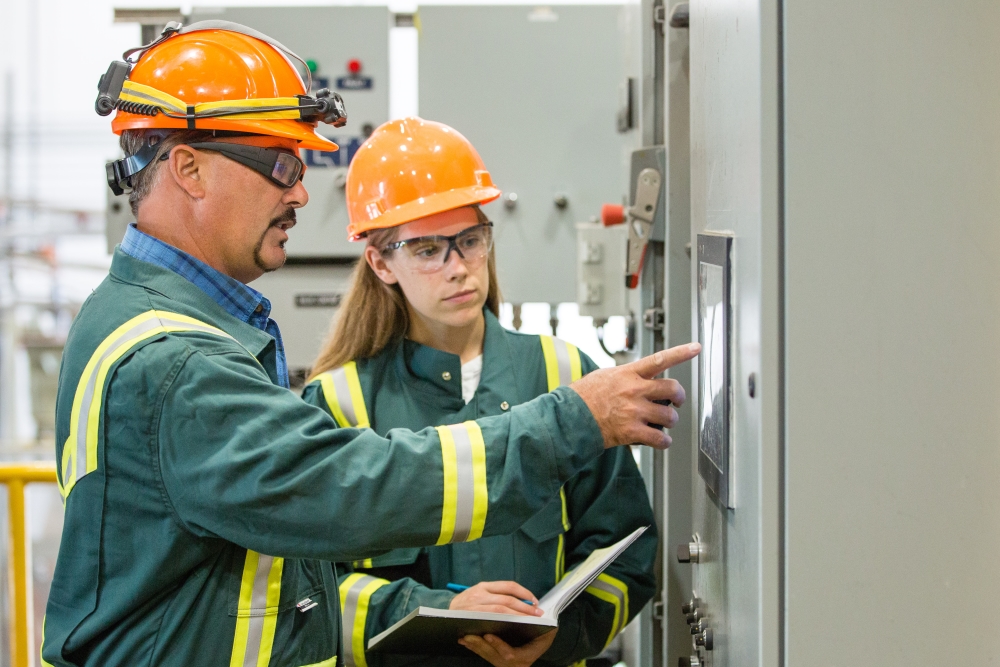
pixel 287 216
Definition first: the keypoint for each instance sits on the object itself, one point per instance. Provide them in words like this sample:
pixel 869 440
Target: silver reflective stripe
pixel 339 377
pixel 158 101
pixel 562 357
pixel 91 387
pixel 258 605
pixel 466 483
pixel 622 609
pixel 350 616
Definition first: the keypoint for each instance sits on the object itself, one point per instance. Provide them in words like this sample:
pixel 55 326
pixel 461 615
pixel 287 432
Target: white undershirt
pixel 472 370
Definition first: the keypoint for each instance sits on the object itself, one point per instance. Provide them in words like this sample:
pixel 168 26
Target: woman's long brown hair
pixel 373 315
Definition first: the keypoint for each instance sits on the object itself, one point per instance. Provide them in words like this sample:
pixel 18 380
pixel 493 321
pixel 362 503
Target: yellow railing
pixel 15 476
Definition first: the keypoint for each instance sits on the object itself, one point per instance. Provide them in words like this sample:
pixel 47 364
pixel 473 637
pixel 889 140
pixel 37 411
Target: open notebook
pixel 437 631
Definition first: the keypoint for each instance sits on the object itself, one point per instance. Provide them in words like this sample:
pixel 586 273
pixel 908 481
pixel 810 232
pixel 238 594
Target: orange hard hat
pixel 216 71
pixel 409 169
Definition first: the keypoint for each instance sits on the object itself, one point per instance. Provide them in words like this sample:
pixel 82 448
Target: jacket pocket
pixel 548 523
pixel 262 585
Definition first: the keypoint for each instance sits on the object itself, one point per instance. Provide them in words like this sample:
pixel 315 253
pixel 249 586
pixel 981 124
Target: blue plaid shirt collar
pixel 239 300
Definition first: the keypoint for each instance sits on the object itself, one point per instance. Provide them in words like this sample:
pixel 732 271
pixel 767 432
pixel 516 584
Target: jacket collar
pixel 190 299
pixel 429 365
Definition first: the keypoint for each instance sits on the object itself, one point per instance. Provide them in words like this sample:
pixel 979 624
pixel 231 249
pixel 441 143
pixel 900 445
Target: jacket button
pixel 505 406
pixel 446 376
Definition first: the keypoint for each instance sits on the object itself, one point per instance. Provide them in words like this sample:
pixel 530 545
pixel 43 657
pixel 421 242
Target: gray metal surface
pixel 331 36
pixel 304 300
pixel 893 364
pixel 677 475
pixel 733 163
pixel 536 90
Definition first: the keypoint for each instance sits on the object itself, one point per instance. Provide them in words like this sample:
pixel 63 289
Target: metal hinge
pixel 654 318
pixel 659 14
pixel 658 611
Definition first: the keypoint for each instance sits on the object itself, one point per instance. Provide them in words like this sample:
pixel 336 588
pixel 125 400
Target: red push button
pixel 612 214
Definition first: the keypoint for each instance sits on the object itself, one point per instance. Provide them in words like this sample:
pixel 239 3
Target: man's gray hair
pixel 132 142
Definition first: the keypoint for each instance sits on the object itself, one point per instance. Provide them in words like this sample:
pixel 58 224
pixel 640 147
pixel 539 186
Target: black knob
pixel 705 639
pixel 684 553
pixel 695 616
pixel 685 661
pixel 697 628
pixel 688 607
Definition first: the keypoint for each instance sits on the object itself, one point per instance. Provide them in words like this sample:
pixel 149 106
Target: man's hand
pixel 501 654
pixel 622 398
pixel 498 597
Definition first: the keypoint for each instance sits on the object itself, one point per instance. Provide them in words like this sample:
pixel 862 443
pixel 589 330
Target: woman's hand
pixel 501 654
pixel 498 597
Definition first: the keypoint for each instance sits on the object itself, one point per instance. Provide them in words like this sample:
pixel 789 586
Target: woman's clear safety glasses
pixel 427 254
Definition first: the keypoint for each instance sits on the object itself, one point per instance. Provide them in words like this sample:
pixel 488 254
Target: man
pixel 204 501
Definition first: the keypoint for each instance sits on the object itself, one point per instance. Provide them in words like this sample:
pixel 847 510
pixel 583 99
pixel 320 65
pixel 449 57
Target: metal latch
pixel 654 319
pixel 640 223
pixel 658 611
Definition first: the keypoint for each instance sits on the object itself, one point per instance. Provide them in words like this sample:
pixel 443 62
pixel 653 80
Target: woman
pixel 418 344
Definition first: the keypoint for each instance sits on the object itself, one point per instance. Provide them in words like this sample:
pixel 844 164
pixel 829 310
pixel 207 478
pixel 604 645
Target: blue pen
pixel 458 588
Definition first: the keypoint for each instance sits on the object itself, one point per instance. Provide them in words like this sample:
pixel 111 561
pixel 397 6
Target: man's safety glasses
pixel 428 254
pixel 281 167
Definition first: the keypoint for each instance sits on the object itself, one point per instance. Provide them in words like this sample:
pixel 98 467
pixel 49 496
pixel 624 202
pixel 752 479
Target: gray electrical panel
pixel 537 91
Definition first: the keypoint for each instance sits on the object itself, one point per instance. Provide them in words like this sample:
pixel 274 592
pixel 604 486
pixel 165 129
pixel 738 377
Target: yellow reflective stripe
pixel 79 455
pixel 143 94
pixel 551 363
pixel 560 558
pixel 357 398
pixel 465 492
pixel 561 545
pixel 450 469
pixel 329 662
pixel 615 592
pixel 366 563
pixel 575 367
pixel 271 617
pixel 480 497
pixel 257 610
pixel 562 362
pixel 41 649
pixel 355 593
pixel 565 513
pixel 342 391
pixel 250 105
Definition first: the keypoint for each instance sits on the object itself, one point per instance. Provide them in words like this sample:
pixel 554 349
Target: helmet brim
pixel 304 133
pixel 423 207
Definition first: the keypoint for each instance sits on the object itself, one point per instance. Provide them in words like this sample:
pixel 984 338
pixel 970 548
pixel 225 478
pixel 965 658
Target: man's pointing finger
pixel 651 366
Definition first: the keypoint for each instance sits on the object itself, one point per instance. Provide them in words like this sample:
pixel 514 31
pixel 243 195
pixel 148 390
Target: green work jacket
pixel 413 386
pixel 204 504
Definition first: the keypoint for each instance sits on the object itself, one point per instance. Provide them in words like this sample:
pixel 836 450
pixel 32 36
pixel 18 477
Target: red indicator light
pixel 354 66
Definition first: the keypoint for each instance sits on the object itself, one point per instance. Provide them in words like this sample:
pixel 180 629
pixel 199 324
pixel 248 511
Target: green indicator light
pixel 312 65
